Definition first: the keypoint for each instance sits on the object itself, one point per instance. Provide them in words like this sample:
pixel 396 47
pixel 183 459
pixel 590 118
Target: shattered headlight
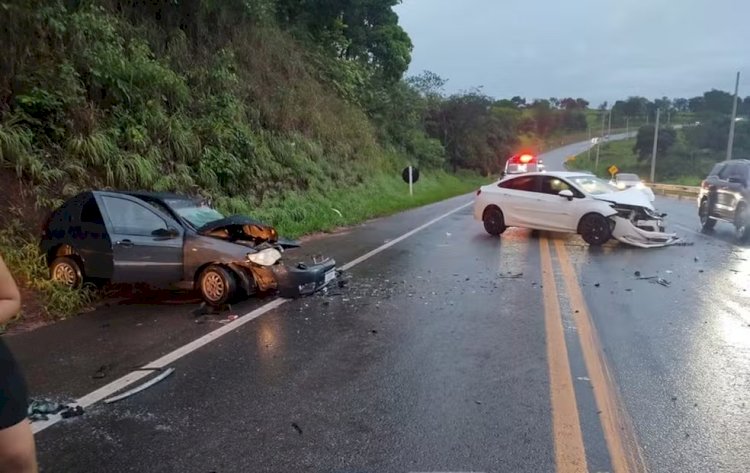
pixel 652 213
pixel 267 257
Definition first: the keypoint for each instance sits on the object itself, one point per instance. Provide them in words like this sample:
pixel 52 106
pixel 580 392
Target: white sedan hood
pixel 632 196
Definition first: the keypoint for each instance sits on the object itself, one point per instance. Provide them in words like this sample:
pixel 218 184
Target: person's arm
pixel 10 298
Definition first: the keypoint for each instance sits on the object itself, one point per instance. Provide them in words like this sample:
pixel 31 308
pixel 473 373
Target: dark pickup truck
pixel 725 196
pixel 169 239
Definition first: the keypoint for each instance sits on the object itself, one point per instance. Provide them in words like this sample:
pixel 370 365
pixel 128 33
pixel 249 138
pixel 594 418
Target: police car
pixel 523 163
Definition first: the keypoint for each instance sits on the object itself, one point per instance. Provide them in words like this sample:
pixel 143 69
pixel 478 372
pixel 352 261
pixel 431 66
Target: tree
pixel 603 105
pixel 360 30
pixel 644 143
pixel 519 101
pixel 635 107
pixel 475 133
pixel 696 104
pixel 574 120
pixel 428 84
pixel 570 104
pixel 582 104
pixel 681 105
pixel 717 101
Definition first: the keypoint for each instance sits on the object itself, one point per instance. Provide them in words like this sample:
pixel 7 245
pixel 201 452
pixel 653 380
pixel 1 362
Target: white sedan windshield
pixel 593 185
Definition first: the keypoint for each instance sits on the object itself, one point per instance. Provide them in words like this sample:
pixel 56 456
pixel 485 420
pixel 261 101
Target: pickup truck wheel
pixel 494 222
pixel 595 229
pixel 66 271
pixel 707 223
pixel 742 223
pixel 217 285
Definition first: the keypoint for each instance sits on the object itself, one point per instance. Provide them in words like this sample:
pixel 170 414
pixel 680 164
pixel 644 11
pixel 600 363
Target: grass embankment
pixel 678 166
pixel 299 214
pixel 233 108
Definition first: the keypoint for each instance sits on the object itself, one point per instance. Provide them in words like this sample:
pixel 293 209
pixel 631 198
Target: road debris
pixel 297 428
pixel 338 212
pixel 102 372
pixel 229 319
pixel 511 276
pixel 662 282
pixel 41 409
pixel 140 388
pixel 73 411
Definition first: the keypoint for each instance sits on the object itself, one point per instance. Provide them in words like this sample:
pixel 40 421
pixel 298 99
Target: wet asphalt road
pixel 431 359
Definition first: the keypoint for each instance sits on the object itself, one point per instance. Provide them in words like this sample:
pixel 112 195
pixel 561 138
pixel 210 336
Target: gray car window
pixel 726 171
pixel 130 218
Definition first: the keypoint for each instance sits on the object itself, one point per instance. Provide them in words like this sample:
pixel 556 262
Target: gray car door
pixel 727 190
pixel 146 243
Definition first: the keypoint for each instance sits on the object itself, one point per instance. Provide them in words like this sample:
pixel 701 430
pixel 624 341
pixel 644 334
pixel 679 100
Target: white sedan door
pixel 555 212
pixel 520 201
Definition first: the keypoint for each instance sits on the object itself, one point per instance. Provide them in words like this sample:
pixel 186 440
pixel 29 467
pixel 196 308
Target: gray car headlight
pixel 267 257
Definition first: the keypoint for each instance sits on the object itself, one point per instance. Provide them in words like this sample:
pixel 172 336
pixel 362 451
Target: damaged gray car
pixel 169 239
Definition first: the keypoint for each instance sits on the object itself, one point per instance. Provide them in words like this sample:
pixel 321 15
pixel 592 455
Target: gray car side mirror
pixel 567 193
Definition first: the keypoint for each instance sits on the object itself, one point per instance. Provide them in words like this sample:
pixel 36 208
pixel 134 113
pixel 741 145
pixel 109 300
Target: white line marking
pixel 132 377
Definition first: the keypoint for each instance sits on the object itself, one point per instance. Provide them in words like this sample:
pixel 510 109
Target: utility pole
pixel 589 151
pixel 609 125
pixel 599 144
pixel 656 143
pixel 730 145
pixel 627 126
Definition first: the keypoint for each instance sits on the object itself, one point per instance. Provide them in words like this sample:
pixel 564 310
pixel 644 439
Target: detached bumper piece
pixel 304 279
pixel 642 233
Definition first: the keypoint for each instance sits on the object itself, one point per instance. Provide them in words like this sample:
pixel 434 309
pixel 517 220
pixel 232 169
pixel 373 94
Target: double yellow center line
pixel 570 451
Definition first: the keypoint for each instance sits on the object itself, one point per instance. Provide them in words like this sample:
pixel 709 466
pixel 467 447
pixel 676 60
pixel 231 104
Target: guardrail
pixel 678 191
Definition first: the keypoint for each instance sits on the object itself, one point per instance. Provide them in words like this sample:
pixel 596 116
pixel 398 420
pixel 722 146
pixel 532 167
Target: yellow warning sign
pixel 613 170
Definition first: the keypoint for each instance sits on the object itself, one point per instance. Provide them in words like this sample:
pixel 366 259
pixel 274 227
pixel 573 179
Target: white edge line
pixel 130 378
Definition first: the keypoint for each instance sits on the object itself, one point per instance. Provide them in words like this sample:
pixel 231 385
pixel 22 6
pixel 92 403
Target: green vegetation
pixel 281 109
pixel 28 266
pixel 272 108
pixel 685 155
pixel 299 214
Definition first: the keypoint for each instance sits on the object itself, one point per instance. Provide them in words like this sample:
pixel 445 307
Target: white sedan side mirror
pixel 567 193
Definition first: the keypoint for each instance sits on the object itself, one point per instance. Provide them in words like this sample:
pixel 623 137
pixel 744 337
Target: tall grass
pixel 27 264
pixel 297 214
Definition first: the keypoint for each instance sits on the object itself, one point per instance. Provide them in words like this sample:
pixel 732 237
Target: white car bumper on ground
pixel 635 233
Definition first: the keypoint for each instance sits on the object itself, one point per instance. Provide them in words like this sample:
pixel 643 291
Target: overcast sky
pixel 596 49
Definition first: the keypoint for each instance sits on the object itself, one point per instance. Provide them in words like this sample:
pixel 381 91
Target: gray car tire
pixel 66 271
pixel 217 285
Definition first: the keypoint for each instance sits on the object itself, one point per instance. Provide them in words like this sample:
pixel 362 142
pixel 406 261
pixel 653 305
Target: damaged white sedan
pixel 572 202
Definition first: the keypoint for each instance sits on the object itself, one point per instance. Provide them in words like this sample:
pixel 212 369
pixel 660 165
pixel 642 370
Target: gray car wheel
pixel 742 223
pixel 707 223
pixel 66 271
pixel 217 285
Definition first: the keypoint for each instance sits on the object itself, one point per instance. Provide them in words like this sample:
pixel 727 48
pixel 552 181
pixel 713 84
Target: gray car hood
pixel 632 196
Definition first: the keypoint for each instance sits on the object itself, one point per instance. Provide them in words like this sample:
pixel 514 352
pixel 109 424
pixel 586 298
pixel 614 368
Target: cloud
pixel 590 48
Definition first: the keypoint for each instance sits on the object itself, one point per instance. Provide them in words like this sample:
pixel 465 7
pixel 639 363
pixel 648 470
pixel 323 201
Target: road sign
pixel 410 176
pixel 613 170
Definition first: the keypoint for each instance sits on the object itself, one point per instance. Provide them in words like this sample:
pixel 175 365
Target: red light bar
pixel 526 158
